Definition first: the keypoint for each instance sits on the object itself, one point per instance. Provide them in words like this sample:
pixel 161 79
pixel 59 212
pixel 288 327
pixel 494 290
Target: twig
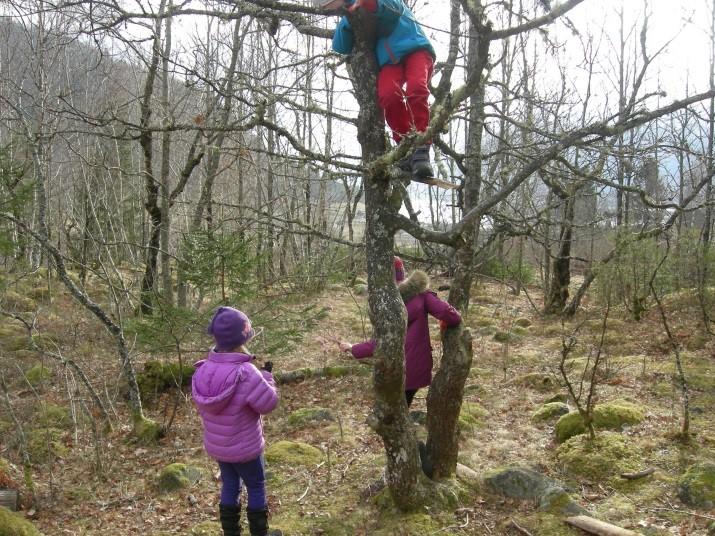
pixel 513 524
pixel 304 493
pixel 639 474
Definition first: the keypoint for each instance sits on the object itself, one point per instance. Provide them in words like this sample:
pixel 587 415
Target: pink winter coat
pixel 231 395
pixel 419 302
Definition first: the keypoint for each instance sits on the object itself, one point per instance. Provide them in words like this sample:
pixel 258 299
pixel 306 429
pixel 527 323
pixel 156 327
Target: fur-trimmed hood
pixel 415 284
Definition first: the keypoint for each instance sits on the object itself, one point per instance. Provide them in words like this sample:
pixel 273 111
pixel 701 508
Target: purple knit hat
pixel 230 328
pixel 399 270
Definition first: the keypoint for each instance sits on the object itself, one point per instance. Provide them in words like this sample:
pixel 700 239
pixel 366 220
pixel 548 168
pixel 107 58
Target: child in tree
pixel 419 301
pixel 231 394
pixel 406 60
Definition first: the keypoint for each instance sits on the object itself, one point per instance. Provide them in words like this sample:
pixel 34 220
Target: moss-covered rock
pixel 549 411
pixel 522 322
pixel 526 484
pixel 293 453
pixel 52 415
pixel 146 431
pixel 45 443
pixel 697 486
pixel 12 524
pixel 161 376
pixel 177 476
pixel 609 416
pixel 37 375
pixel 558 397
pixel 608 455
pixel 506 336
pixel 540 381
pixel 303 416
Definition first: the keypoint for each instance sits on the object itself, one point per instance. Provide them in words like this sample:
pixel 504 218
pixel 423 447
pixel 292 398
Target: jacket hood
pixel 215 381
pixel 415 284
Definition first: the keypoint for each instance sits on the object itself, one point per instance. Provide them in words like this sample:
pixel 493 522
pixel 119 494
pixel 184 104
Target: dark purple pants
pixel 251 473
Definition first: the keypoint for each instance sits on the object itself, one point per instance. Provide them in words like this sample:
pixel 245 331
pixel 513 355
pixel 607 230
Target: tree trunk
pixel 558 293
pixel 386 309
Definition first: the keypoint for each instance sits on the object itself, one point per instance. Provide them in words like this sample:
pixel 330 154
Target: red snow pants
pixel 403 91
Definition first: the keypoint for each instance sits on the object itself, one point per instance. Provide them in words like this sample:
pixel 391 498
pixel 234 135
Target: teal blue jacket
pixel 398 32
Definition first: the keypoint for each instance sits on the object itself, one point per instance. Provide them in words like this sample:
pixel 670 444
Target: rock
pixel 303 416
pixel 522 322
pixel 360 289
pixel 609 416
pixel 610 454
pixel 526 484
pixel 697 486
pixel 12 524
pixel 207 528
pixel 550 411
pixel 539 381
pixel 293 453
pixel 177 476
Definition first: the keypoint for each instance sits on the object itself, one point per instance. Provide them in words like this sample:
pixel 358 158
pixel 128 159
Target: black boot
pixel 258 523
pixel 230 519
pixel 420 162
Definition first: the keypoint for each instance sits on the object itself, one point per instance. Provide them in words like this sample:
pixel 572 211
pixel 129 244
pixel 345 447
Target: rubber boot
pixel 230 519
pixel 420 162
pixel 258 523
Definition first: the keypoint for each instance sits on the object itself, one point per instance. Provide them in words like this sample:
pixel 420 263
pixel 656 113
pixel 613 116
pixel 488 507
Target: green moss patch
pixel 146 431
pixel 360 289
pixel 177 476
pixel 304 416
pixel 46 443
pixel 12 524
pixel 161 376
pixel 697 486
pixel 610 416
pixel 549 411
pixel 599 459
pixel 293 453
pixel 506 336
pixel 37 375
pixel 51 415
pixel 13 301
pixel 471 416
pixel 523 322
pixel 206 528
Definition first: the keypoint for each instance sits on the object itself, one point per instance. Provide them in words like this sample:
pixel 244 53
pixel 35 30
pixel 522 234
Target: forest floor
pixel 88 486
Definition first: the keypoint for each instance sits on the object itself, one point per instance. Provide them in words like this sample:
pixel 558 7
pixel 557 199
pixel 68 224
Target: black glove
pixel 267 366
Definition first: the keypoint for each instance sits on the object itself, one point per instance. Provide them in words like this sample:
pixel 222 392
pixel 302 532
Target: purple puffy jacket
pixel 420 302
pixel 231 395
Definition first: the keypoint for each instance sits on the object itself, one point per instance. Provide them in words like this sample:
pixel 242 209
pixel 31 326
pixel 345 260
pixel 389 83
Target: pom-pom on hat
pixel 230 328
pixel 399 270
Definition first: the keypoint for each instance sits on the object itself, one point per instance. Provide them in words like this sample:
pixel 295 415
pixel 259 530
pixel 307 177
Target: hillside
pixel 327 480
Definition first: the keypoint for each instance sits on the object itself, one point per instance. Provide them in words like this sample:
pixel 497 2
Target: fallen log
pixel 600 528
pixel 336 371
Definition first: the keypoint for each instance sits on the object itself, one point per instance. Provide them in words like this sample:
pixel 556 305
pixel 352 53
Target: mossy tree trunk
pixel 444 401
pixel 386 309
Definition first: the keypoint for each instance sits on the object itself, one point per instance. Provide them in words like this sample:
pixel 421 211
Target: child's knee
pixel 389 98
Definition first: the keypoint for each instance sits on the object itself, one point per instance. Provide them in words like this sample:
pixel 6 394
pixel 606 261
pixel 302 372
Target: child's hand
pixel 345 346
pixel 443 325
